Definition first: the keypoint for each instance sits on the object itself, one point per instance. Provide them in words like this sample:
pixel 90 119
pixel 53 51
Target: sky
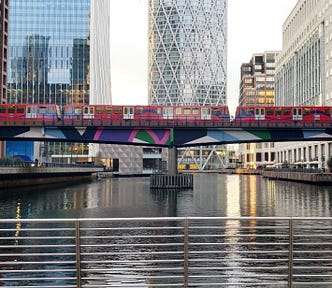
pixel 254 26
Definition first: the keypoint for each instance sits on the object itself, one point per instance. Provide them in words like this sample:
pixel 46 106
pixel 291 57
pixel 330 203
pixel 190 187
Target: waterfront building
pixel 58 52
pixel 187 63
pixel 304 74
pixel 3 49
pixel 3 58
pixel 257 88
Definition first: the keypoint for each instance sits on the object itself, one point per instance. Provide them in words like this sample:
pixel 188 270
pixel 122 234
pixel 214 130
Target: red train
pixel 283 114
pixel 159 114
pixel 151 113
pixel 20 112
pixel 107 113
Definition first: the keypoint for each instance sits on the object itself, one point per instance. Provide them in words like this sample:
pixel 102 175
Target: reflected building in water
pixel 213 195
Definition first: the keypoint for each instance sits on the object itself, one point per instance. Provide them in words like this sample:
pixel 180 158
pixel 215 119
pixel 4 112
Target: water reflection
pixel 213 195
pixel 236 241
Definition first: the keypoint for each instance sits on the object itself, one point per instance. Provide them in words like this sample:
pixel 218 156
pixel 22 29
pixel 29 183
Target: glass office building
pixel 187 52
pixel 48 57
pixel 53 47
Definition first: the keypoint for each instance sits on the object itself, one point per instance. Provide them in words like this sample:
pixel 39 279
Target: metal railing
pixel 166 252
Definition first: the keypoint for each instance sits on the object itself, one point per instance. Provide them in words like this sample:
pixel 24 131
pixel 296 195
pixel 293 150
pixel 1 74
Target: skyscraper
pixel 257 79
pixel 187 63
pixel 257 88
pixel 3 57
pixel 58 52
pixel 3 49
pixel 187 52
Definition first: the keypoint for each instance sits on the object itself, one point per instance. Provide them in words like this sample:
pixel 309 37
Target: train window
pixel 278 111
pixel 195 111
pixel 77 110
pixel 2 109
pixel 69 109
pixel 11 109
pixel 178 111
pixel 307 111
pixel 50 110
pixel 215 111
pixel 117 110
pixel 327 111
pixel 297 114
pixel 99 110
pixel 186 111
pixel 42 110
pixel 250 111
pixel 269 111
pixel 287 111
pixel 108 110
pixel 20 109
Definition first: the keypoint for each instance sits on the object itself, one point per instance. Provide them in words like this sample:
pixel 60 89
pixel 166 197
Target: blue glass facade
pixel 22 149
pixel 48 60
pixel 48 51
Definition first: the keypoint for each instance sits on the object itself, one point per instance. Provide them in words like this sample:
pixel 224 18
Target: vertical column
pixel 307 156
pixel 327 154
pixel 172 161
pixel 320 156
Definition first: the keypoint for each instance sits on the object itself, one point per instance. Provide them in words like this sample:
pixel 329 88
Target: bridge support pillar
pixel 172 180
pixel 172 161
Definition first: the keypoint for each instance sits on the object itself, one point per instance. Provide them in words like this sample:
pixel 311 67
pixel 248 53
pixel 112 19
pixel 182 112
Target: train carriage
pixel 142 113
pixel 20 112
pixel 177 113
pixel 283 114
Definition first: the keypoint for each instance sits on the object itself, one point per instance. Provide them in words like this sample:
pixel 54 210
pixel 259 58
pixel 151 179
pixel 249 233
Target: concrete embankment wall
pixel 11 177
pixel 314 178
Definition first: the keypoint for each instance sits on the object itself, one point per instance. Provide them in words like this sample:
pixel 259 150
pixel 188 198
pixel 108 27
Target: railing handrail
pixel 166 251
pixel 136 219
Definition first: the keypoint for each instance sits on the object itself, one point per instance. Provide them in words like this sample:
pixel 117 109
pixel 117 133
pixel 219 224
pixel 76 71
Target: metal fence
pixel 166 252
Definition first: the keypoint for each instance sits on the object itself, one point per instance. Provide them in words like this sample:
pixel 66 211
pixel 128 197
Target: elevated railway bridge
pixel 167 134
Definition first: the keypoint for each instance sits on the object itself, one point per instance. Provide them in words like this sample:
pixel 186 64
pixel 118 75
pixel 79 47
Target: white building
pixel 304 74
pixel 187 64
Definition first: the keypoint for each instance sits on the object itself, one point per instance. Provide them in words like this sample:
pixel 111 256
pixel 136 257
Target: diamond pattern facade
pixel 187 52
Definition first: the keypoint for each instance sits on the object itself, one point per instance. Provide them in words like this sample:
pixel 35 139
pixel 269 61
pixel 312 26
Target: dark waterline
pixel 213 195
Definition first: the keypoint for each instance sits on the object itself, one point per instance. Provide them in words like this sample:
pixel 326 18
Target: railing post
pixel 78 253
pixel 290 253
pixel 185 254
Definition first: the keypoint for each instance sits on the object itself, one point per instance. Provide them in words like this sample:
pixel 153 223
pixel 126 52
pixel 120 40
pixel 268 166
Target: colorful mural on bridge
pixel 164 137
pixel 159 137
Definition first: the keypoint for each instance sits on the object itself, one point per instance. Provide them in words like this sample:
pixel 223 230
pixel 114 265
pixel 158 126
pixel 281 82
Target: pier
pixel 313 177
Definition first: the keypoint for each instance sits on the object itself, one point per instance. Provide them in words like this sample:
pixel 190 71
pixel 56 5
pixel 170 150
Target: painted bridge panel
pixel 164 137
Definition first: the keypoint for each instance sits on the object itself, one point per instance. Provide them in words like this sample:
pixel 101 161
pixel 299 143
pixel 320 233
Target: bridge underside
pixel 164 137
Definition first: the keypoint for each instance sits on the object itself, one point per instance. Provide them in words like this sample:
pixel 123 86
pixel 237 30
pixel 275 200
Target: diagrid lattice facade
pixel 187 52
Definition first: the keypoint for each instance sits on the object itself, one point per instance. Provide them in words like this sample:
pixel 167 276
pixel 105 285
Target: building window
pixel 259 157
